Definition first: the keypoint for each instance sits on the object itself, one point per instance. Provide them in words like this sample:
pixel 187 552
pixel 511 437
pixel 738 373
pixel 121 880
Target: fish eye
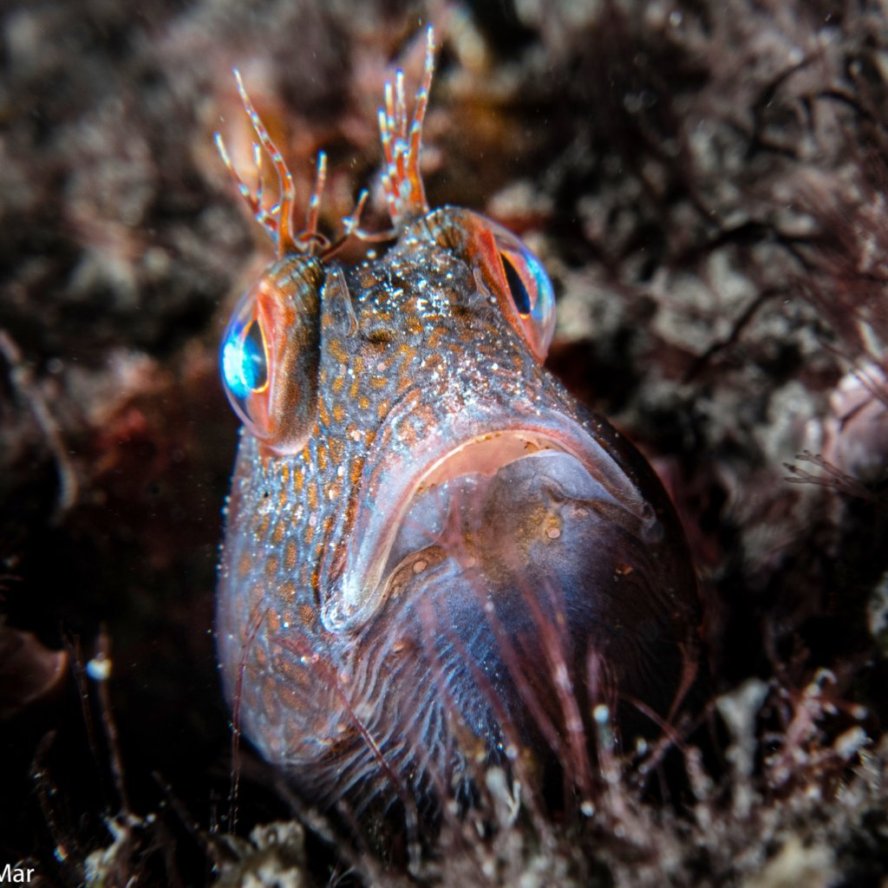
pixel 530 289
pixel 509 269
pixel 270 354
pixel 244 358
pixel 530 303
pixel 520 296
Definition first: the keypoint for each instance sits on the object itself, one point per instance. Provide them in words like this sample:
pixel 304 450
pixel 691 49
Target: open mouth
pixel 482 486
pixel 456 495
pixel 408 496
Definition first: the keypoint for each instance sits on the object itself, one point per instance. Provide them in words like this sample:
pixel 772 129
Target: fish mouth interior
pixel 463 489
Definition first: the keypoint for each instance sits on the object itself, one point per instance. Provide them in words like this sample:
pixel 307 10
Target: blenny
pixel 434 555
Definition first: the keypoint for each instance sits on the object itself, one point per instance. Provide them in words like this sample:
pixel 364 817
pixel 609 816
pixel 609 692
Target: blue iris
pixel 529 284
pixel 244 367
pixel 544 304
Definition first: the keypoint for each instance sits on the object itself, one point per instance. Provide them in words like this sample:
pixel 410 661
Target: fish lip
pixel 353 591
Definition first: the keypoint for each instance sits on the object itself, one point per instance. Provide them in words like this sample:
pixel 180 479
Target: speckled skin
pixel 437 554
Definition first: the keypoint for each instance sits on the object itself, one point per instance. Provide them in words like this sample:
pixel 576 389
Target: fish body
pixel 432 551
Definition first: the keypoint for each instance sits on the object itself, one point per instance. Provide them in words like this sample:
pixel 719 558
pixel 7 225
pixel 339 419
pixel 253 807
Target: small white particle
pixel 99 668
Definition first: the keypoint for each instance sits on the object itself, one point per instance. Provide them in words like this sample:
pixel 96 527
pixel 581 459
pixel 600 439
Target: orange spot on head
pixel 291 553
pixel 335 348
pixel 307 615
pixel 424 415
pixel 408 435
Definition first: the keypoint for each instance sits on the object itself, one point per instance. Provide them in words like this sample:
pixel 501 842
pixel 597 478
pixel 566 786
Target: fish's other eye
pixel 530 289
pixel 270 353
pixel 511 272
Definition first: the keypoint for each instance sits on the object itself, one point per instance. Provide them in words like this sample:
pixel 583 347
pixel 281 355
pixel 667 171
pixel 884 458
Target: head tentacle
pixel 402 143
pixel 277 219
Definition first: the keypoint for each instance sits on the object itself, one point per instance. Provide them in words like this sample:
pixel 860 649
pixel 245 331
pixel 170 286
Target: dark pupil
pixel 255 371
pixel 520 296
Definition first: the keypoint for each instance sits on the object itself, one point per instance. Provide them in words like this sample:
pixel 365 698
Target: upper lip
pixel 487 439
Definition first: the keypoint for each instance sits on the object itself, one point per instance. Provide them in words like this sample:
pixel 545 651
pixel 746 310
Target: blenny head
pixel 433 553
